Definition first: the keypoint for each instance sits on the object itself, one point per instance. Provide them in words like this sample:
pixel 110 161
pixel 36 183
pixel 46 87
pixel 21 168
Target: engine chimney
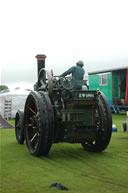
pixel 40 62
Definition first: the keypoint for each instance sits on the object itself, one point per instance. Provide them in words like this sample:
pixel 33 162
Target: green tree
pixel 3 87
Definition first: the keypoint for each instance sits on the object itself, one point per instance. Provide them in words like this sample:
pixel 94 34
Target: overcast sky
pixel 95 31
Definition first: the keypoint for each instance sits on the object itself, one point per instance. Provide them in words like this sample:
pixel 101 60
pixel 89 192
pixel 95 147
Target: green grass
pixel 80 171
pixel 12 122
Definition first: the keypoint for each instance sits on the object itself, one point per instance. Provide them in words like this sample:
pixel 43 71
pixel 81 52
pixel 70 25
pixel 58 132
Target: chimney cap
pixel 40 57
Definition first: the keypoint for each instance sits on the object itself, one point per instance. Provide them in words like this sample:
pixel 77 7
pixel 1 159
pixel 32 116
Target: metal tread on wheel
pixel 104 127
pixel 19 127
pixel 39 123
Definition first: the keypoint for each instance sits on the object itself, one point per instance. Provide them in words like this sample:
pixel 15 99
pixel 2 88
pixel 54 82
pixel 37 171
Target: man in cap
pixel 77 75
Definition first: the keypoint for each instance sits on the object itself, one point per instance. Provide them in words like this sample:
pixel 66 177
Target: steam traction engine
pixel 55 113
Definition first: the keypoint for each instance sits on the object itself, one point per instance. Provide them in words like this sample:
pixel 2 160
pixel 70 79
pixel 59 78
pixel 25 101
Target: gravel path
pixel 4 124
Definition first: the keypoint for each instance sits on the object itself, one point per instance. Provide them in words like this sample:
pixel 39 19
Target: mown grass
pixel 66 163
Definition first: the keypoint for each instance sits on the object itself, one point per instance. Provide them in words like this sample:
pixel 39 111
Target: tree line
pixel 3 87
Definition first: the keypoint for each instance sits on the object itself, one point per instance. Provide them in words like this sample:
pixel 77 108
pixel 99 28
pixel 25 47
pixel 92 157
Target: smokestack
pixel 40 62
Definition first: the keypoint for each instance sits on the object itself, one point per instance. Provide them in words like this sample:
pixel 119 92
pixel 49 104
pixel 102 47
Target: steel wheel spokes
pixel 32 111
pixel 39 123
pixel 33 131
pixel 19 126
pixel 33 137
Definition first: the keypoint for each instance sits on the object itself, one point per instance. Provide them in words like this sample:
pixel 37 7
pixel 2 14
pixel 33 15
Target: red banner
pixel 126 95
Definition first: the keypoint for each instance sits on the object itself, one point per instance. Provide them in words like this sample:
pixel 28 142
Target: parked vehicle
pixel 54 112
pixel 114 84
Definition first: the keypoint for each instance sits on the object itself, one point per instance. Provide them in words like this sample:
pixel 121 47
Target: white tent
pixel 10 102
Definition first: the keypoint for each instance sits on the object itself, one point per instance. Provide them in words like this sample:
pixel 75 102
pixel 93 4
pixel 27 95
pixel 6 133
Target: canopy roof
pixel 108 70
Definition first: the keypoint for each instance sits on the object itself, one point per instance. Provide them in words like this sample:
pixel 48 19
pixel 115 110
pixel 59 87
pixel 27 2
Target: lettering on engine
pixel 86 95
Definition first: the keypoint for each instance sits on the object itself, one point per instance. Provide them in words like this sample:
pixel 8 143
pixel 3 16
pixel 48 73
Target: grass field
pixel 80 171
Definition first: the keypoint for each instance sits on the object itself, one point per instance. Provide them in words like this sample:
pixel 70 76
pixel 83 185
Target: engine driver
pixel 77 75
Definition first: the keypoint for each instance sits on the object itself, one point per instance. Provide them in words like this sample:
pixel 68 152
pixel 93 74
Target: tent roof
pixel 16 92
pixel 108 70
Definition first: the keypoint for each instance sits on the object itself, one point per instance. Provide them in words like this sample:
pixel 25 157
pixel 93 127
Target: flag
pixel 126 94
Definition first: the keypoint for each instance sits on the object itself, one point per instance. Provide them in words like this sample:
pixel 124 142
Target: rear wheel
pixel 19 126
pixel 39 123
pixel 104 127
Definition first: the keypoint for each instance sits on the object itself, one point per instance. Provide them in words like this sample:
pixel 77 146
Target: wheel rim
pixel 19 127
pixel 38 119
pixel 104 127
pixel 32 121
pixel 99 130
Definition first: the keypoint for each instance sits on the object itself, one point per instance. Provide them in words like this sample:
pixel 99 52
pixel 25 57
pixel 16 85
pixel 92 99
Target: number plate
pixel 86 95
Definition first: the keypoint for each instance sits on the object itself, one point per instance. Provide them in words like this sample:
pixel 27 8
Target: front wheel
pixel 19 126
pixel 104 127
pixel 39 123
